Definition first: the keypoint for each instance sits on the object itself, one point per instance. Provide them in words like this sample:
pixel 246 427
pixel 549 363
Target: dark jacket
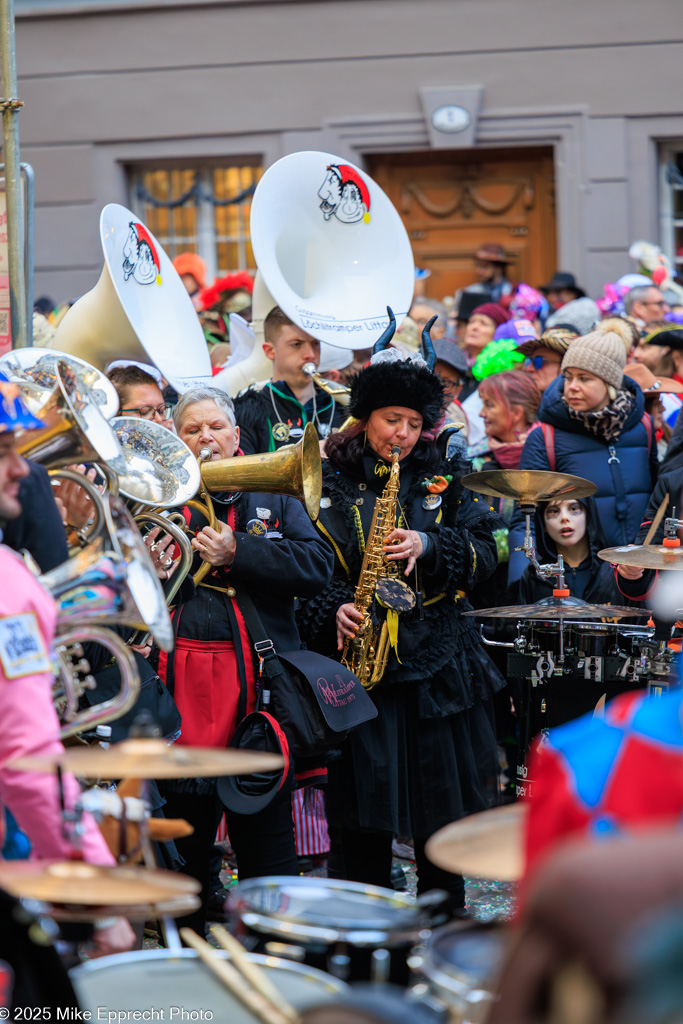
pixel 256 416
pixel 439 650
pixel 670 483
pixel 39 528
pixel 276 566
pixel 592 580
pixel 290 560
pixel 674 453
pixel 624 472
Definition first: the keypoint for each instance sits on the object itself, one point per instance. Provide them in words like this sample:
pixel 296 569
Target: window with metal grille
pixel 199 209
pixel 671 202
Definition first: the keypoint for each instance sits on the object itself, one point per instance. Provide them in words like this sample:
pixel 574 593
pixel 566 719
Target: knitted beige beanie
pixel 603 352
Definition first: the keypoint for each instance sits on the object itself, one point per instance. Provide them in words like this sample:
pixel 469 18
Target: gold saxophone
pixel 379 587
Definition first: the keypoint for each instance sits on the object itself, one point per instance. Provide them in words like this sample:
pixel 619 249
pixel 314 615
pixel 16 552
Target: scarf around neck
pixel 608 423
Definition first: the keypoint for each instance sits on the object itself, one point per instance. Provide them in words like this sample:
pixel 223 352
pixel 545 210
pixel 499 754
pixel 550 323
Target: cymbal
pixel 485 845
pixel 178 907
pixel 528 486
pixel 76 882
pixel 150 759
pixel 556 608
pixel 653 556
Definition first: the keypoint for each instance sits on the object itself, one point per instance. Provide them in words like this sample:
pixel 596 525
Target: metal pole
pixel 10 136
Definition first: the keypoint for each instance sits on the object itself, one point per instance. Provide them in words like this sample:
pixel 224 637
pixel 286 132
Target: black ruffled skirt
pixel 411 775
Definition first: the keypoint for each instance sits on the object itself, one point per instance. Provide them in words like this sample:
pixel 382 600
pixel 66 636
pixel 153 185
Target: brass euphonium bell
pixel 294 469
pixel 75 430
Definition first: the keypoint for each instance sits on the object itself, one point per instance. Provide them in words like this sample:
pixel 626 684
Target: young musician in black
pixel 276 414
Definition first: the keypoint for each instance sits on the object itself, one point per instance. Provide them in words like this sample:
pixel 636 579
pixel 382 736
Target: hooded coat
pixel 625 471
pixel 592 580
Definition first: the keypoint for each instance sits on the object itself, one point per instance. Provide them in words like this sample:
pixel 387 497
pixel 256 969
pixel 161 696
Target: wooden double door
pixel 452 202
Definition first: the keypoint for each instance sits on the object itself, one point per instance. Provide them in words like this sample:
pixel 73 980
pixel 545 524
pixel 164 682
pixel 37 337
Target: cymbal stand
pixel 72 824
pixel 144 727
pixel 167 923
pixel 671 527
pixel 545 571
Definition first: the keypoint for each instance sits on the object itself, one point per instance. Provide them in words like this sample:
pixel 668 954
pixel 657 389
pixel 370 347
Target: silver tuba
pixel 109 582
pixel 72 678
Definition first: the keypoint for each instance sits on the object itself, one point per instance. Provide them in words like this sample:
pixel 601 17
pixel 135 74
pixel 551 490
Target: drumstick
pixel 654 525
pixel 233 980
pixel 253 973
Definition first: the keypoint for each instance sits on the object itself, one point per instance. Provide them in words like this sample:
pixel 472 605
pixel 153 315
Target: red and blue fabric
pixel 602 777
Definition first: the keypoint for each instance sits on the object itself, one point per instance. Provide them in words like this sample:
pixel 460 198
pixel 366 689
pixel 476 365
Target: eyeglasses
pixel 451 385
pixel 538 362
pixel 661 303
pixel 147 412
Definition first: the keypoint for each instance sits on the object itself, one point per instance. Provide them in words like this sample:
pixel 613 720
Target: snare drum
pixel 357 932
pixel 182 988
pixel 459 965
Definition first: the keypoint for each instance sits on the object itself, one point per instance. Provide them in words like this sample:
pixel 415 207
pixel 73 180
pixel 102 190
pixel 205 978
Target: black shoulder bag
pixel 316 700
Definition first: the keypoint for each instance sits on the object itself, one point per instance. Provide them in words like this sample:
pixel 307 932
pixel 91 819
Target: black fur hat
pixel 397 382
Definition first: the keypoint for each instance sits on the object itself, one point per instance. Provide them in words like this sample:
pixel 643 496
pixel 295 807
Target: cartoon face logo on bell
pixel 344 195
pixel 140 257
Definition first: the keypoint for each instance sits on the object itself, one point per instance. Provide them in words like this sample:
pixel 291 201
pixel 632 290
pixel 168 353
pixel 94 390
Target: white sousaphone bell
pixel 331 251
pixel 139 309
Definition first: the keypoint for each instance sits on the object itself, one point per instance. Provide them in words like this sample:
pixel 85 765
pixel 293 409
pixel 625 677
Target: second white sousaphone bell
pixel 332 249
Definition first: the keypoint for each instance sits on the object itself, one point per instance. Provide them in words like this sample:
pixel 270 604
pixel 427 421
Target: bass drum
pixel 180 987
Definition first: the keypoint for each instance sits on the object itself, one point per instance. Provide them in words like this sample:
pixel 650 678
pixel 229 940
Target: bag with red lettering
pixel 316 700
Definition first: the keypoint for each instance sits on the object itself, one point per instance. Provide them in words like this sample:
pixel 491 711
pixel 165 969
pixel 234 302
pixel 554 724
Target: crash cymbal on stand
pixel 178 907
pixel 80 884
pixel 556 608
pixel 652 556
pixel 485 845
pixel 150 759
pixel 528 486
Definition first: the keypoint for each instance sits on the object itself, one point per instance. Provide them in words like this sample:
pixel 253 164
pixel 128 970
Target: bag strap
pixel 646 420
pixel 549 438
pixel 269 663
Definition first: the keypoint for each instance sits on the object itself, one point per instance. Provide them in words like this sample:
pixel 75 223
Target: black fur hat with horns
pixel 399 380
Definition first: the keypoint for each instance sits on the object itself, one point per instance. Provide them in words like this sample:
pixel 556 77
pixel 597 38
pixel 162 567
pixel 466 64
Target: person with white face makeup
pixel 593 424
pixel 571 529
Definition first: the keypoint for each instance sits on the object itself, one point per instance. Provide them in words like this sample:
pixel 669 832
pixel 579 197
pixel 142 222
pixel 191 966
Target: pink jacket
pixel 28 720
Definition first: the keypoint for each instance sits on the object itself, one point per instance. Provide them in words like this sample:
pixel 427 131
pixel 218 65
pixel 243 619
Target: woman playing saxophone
pixel 408 540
